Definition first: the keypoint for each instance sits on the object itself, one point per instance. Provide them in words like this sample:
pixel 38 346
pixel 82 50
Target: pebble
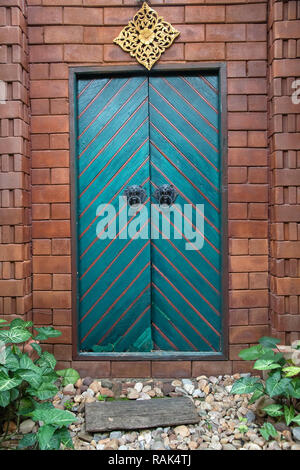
pixel 182 431
pixel 69 390
pixel 296 433
pixel 27 426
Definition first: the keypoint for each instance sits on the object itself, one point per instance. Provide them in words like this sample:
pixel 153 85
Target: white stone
pixel 182 431
pixel 27 426
pixel 138 387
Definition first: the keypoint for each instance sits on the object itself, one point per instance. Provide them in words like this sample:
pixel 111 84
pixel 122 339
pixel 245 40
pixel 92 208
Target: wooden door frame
pixel 116 70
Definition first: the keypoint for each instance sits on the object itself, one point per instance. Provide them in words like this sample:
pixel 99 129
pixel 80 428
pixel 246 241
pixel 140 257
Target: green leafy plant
pixel 282 384
pixel 27 379
pixel 267 431
pixel 243 428
pixel 68 405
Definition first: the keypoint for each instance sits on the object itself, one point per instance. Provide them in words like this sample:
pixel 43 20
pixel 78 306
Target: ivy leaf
pixel 296 419
pixel 253 353
pixel 45 332
pixel 4 398
pixel 275 385
pixel 53 416
pixel 36 347
pixel 268 430
pixel 291 371
pixel 289 414
pixel 45 391
pixel 65 438
pixel 16 335
pixel 26 406
pixel 18 322
pixel 269 342
pixel 27 441
pixel 33 377
pixel 47 360
pixel 257 394
pixel 11 360
pixel 273 410
pixel 245 385
pixel 70 376
pixel 44 436
pixel 6 383
pixel 14 393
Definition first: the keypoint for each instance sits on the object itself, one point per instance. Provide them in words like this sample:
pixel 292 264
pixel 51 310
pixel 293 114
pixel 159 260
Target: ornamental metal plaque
pixel 147 36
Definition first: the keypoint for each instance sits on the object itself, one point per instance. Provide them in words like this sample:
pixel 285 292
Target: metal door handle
pixel 135 195
pixel 165 194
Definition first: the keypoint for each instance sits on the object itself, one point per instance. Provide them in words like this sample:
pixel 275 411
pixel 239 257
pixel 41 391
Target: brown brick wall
pixel 15 233
pixel 284 143
pixel 65 33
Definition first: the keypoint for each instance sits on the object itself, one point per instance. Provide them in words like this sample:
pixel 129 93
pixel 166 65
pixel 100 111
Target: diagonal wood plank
pixel 139 414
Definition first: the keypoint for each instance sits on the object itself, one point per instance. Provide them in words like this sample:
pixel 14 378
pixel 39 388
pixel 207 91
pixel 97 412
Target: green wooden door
pixel 149 275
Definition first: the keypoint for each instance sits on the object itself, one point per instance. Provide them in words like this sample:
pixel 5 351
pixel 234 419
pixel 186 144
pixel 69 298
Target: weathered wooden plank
pixel 139 414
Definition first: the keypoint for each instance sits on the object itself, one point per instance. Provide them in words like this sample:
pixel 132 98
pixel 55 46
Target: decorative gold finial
pixel 147 36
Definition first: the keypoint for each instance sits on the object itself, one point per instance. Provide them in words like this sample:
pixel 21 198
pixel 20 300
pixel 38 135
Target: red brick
pixel 59 106
pixel 59 175
pixel 247 193
pixel 205 14
pixel 247 157
pixel 207 51
pixel 171 369
pixel 50 299
pixel 247 334
pixel 237 102
pixel 93 368
pixel 51 264
pixel 209 368
pixel 41 247
pixel 247 121
pixel 248 229
pixel 287 213
pixel 258 247
pixel 287 249
pixel 51 228
pixel 39 71
pixel 42 281
pixel 286 68
pixel 50 158
pixel 12 288
pixel 63 352
pixel 254 13
pixel 248 86
pixel 59 71
pixel 258 280
pixel 50 193
pixel 11 252
pixel 256 68
pixel 237 138
pixel 62 317
pixel 258 211
pixel 61 247
pixel 48 88
pixel 287 323
pixel 83 16
pixel 286 177
pixel 83 53
pixel 40 211
pixel 256 32
pixel 237 174
pixel 116 54
pixel 287 29
pixel 237 211
pixel 44 15
pixel 63 34
pixel 40 176
pixel 258 316
pixel 42 317
pixel 257 103
pixel 248 263
pixel 48 124
pixel 131 369
pixel 11 216
pixel 100 34
pixel 61 282
pixel 225 32
pixel 238 281
pixel 46 53
pixel 60 211
pixel 190 33
pixel 248 298
pixel 257 139
pixel 246 51
pixel 236 69
pixel 40 106
pixel 35 35
pixel 287 286
pixel 238 316
pixel 238 246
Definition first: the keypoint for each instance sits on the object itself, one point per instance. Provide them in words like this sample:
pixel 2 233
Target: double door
pixel 149 231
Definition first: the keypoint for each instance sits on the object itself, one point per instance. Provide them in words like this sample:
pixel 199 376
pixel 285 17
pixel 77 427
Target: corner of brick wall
pixel 284 144
pixel 15 232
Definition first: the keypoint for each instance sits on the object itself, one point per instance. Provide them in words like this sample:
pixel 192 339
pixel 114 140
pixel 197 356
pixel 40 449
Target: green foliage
pixel 70 376
pixel 267 431
pixel 25 384
pixel 282 383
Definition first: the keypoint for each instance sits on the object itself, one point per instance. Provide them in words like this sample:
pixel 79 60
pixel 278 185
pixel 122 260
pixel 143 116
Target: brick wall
pixel 15 249
pixel 284 142
pixel 63 33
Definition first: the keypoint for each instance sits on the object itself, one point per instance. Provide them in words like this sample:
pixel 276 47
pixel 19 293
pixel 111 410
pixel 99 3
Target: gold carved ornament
pixel 147 36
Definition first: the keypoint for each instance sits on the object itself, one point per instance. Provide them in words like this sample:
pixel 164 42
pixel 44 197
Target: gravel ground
pixel 227 422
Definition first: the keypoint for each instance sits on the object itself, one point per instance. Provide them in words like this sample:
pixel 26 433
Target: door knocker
pixel 165 195
pixel 135 195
